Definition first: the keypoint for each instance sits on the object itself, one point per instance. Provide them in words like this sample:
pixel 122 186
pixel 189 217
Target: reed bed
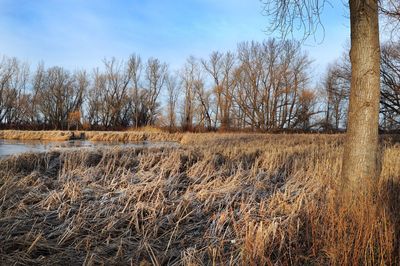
pixel 131 136
pixel 112 136
pixel 36 135
pixel 219 199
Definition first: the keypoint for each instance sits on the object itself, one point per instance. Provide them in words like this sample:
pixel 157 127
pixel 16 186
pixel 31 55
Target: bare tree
pixel 221 68
pixel 155 78
pixel 305 110
pixel 189 75
pixel 390 9
pixel 81 83
pixel 361 155
pixel 96 98
pixel 120 98
pixel 268 81
pixel 58 93
pixel 390 93
pixel 108 101
pixel 248 77
pixel 135 63
pixel 228 64
pixel 14 77
pixel 294 72
pixel 204 106
pixel 337 87
pixel 173 94
pixel 213 67
pixel 118 79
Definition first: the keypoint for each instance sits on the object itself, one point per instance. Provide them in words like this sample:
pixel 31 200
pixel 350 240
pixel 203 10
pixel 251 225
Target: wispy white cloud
pixel 80 33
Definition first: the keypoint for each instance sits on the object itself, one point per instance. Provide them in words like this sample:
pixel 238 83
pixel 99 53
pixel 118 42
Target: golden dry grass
pixel 131 136
pixel 122 136
pixel 36 135
pixel 228 199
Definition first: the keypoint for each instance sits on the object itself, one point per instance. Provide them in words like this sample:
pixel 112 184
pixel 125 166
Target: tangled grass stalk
pixel 229 199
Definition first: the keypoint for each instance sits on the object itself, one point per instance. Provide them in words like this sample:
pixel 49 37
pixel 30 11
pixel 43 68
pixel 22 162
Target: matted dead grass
pixel 229 199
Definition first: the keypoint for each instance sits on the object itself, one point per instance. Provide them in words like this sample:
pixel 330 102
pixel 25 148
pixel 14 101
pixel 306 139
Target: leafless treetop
pixel 289 17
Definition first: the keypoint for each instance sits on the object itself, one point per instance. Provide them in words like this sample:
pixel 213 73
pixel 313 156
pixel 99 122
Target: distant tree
pixel 118 79
pixel 204 106
pixel 57 94
pixel 390 93
pixel 74 119
pixel 268 81
pixel 189 75
pixel 108 96
pixel 136 95
pixel 337 86
pixel 96 97
pixel 14 77
pixel 221 68
pixel 155 79
pixel 305 110
pixel 213 67
pixel 173 94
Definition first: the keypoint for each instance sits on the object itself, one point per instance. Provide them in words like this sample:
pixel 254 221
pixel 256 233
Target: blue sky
pixel 80 33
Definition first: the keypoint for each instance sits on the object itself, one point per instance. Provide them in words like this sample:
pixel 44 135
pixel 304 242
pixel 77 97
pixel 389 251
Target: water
pixel 12 147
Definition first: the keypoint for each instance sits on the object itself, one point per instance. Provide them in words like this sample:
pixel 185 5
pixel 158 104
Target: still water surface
pixel 11 147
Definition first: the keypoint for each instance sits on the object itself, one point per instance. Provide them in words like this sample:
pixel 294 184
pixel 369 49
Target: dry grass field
pixel 218 199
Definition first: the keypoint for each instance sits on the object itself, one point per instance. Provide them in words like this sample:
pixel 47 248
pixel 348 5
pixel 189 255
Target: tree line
pixel 336 86
pixel 262 86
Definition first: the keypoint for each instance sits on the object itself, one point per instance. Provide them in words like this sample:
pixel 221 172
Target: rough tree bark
pixel 361 152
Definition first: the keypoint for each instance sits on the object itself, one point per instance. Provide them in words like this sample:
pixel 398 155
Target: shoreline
pixel 120 136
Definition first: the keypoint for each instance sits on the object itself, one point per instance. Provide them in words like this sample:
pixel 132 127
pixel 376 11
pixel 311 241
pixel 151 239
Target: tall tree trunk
pixel 361 152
